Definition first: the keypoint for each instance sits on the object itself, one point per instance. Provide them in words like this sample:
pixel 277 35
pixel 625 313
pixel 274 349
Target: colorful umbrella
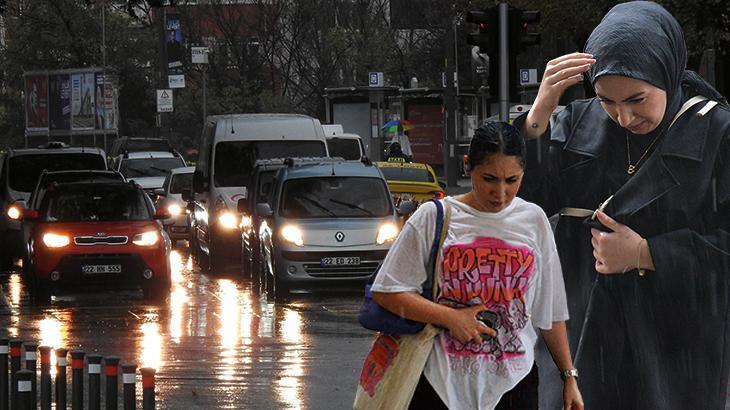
pixel 398 125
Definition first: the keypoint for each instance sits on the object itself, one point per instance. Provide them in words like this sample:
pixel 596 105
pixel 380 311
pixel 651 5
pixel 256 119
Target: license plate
pixel 90 269
pixel 341 261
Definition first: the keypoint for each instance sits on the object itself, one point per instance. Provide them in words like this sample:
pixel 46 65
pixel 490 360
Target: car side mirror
pixel 243 206
pixel 187 195
pixel 160 191
pixel 199 182
pixel 264 210
pixel 406 208
pixel 30 215
pixel 162 213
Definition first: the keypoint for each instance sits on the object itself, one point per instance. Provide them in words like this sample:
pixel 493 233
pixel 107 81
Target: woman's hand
pixel 560 73
pixel 618 251
pixel 572 399
pixel 464 326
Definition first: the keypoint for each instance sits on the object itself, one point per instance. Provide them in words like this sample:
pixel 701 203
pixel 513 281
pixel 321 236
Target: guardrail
pixel 23 392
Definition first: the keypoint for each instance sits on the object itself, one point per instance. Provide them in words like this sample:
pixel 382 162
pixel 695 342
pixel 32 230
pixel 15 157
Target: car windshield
pixel 145 145
pixel 235 160
pixel 346 148
pixel 149 167
pixel 325 197
pixel 407 174
pixel 180 182
pixel 24 170
pixel 97 202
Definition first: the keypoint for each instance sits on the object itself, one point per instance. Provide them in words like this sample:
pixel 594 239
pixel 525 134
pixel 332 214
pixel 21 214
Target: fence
pixel 23 393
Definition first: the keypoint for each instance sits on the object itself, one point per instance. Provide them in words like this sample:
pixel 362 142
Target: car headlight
pixel 13 212
pixel 53 240
pixel 293 234
pixel 149 238
pixel 228 220
pixel 387 233
pixel 174 209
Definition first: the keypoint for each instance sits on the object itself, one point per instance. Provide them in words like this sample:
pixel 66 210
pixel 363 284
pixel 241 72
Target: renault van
pixel 230 147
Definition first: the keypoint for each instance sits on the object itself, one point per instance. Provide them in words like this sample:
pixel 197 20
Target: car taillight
pixel 438 194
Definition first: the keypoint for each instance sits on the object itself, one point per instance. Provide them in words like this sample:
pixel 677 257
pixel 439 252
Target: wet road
pixel 216 343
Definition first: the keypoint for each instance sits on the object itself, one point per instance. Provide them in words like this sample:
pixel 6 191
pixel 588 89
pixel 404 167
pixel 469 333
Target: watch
pixel 569 373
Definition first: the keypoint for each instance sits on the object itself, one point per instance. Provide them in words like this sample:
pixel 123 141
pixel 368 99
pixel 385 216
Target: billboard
pixel 175 51
pixel 75 101
pixel 36 102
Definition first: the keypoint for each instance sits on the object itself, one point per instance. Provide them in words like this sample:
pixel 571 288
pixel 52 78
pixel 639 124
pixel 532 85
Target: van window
pixel 234 160
pixel 24 170
pixel 346 148
pixel 327 197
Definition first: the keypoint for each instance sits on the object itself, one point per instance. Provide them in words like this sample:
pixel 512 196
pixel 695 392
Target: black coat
pixel 658 341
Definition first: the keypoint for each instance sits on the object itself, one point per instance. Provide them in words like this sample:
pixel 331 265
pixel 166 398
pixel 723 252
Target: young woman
pixel 498 256
pixel 657 271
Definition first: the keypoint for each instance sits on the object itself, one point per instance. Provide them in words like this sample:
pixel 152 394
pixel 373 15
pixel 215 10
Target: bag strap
pixel 442 221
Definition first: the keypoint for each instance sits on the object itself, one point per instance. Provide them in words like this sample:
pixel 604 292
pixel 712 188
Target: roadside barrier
pixel 24 393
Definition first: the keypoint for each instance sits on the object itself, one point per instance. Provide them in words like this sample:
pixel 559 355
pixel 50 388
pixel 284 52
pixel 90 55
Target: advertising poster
pixel 110 109
pixel 59 101
pixel 427 137
pixel 82 101
pixel 36 102
pixel 175 50
pixel 99 108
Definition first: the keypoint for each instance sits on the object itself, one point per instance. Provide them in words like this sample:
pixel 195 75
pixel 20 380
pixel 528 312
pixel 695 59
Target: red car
pixel 97 234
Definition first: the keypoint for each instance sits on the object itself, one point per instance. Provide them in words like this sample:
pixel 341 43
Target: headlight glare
pixel 174 209
pixel 387 233
pixel 293 234
pixel 228 220
pixel 53 240
pixel 149 238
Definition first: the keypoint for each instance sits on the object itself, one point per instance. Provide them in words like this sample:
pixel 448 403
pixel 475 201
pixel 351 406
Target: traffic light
pixel 520 36
pixel 486 36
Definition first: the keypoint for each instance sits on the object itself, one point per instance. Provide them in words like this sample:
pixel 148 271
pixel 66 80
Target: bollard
pixel 94 381
pixel 31 363
pixel 4 392
pixel 61 363
pixel 45 377
pixel 111 365
pixel 148 388
pixel 15 345
pixel 77 379
pixel 24 388
pixel 129 372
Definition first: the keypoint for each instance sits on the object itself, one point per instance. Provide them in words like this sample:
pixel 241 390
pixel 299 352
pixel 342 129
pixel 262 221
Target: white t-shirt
pixel 506 260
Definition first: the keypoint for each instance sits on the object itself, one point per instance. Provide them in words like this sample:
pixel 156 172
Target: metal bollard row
pixel 23 392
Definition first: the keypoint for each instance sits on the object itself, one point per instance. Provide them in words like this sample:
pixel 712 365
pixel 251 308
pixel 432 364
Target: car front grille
pixel 100 240
pixel 364 269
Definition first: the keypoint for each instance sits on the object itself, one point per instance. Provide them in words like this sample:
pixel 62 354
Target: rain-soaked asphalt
pixel 216 343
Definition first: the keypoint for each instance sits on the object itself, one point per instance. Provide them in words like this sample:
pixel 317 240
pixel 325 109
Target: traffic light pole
pixel 450 110
pixel 503 62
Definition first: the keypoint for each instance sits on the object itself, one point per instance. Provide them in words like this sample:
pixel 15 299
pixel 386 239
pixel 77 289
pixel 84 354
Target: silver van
pixel 230 146
pixel 326 223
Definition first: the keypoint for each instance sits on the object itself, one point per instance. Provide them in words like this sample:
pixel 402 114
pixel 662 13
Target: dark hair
pixel 495 137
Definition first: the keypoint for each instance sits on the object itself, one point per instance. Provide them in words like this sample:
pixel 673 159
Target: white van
pixel 230 146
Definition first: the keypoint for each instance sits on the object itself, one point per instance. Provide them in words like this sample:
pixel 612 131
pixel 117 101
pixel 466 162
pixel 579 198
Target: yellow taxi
pixel 410 181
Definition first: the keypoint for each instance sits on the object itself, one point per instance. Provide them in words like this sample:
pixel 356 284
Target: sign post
pixel 199 56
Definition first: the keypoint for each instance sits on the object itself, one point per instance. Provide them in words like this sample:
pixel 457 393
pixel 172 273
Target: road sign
pixel 176 81
pixel 164 100
pixel 375 79
pixel 528 76
pixel 199 55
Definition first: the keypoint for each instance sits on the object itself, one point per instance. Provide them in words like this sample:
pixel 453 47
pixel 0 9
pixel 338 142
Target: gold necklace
pixel 632 168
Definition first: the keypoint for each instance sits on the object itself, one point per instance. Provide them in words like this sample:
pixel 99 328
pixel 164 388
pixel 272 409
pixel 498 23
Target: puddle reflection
pixel 287 387
pixel 15 288
pixel 151 342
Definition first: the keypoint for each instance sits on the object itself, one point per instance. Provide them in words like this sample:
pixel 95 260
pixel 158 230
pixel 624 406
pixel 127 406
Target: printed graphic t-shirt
pixel 507 261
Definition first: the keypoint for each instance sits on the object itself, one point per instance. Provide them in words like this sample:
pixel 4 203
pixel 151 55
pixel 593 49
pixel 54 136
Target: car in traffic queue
pixel 411 181
pixel 326 223
pixel 99 234
pixel 148 168
pixel 170 198
pixel 230 146
pixel 19 172
pixel 136 144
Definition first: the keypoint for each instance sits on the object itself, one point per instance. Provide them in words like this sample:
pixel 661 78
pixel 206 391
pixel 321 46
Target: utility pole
pixel 451 80
pixel 503 62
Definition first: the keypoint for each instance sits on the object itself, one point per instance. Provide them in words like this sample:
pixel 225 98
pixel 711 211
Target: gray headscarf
pixel 641 40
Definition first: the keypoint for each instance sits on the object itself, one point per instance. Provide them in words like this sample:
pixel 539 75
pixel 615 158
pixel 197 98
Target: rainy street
pixel 215 342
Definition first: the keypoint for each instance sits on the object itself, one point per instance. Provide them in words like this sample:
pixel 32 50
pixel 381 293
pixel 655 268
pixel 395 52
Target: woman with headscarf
pixel 647 279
